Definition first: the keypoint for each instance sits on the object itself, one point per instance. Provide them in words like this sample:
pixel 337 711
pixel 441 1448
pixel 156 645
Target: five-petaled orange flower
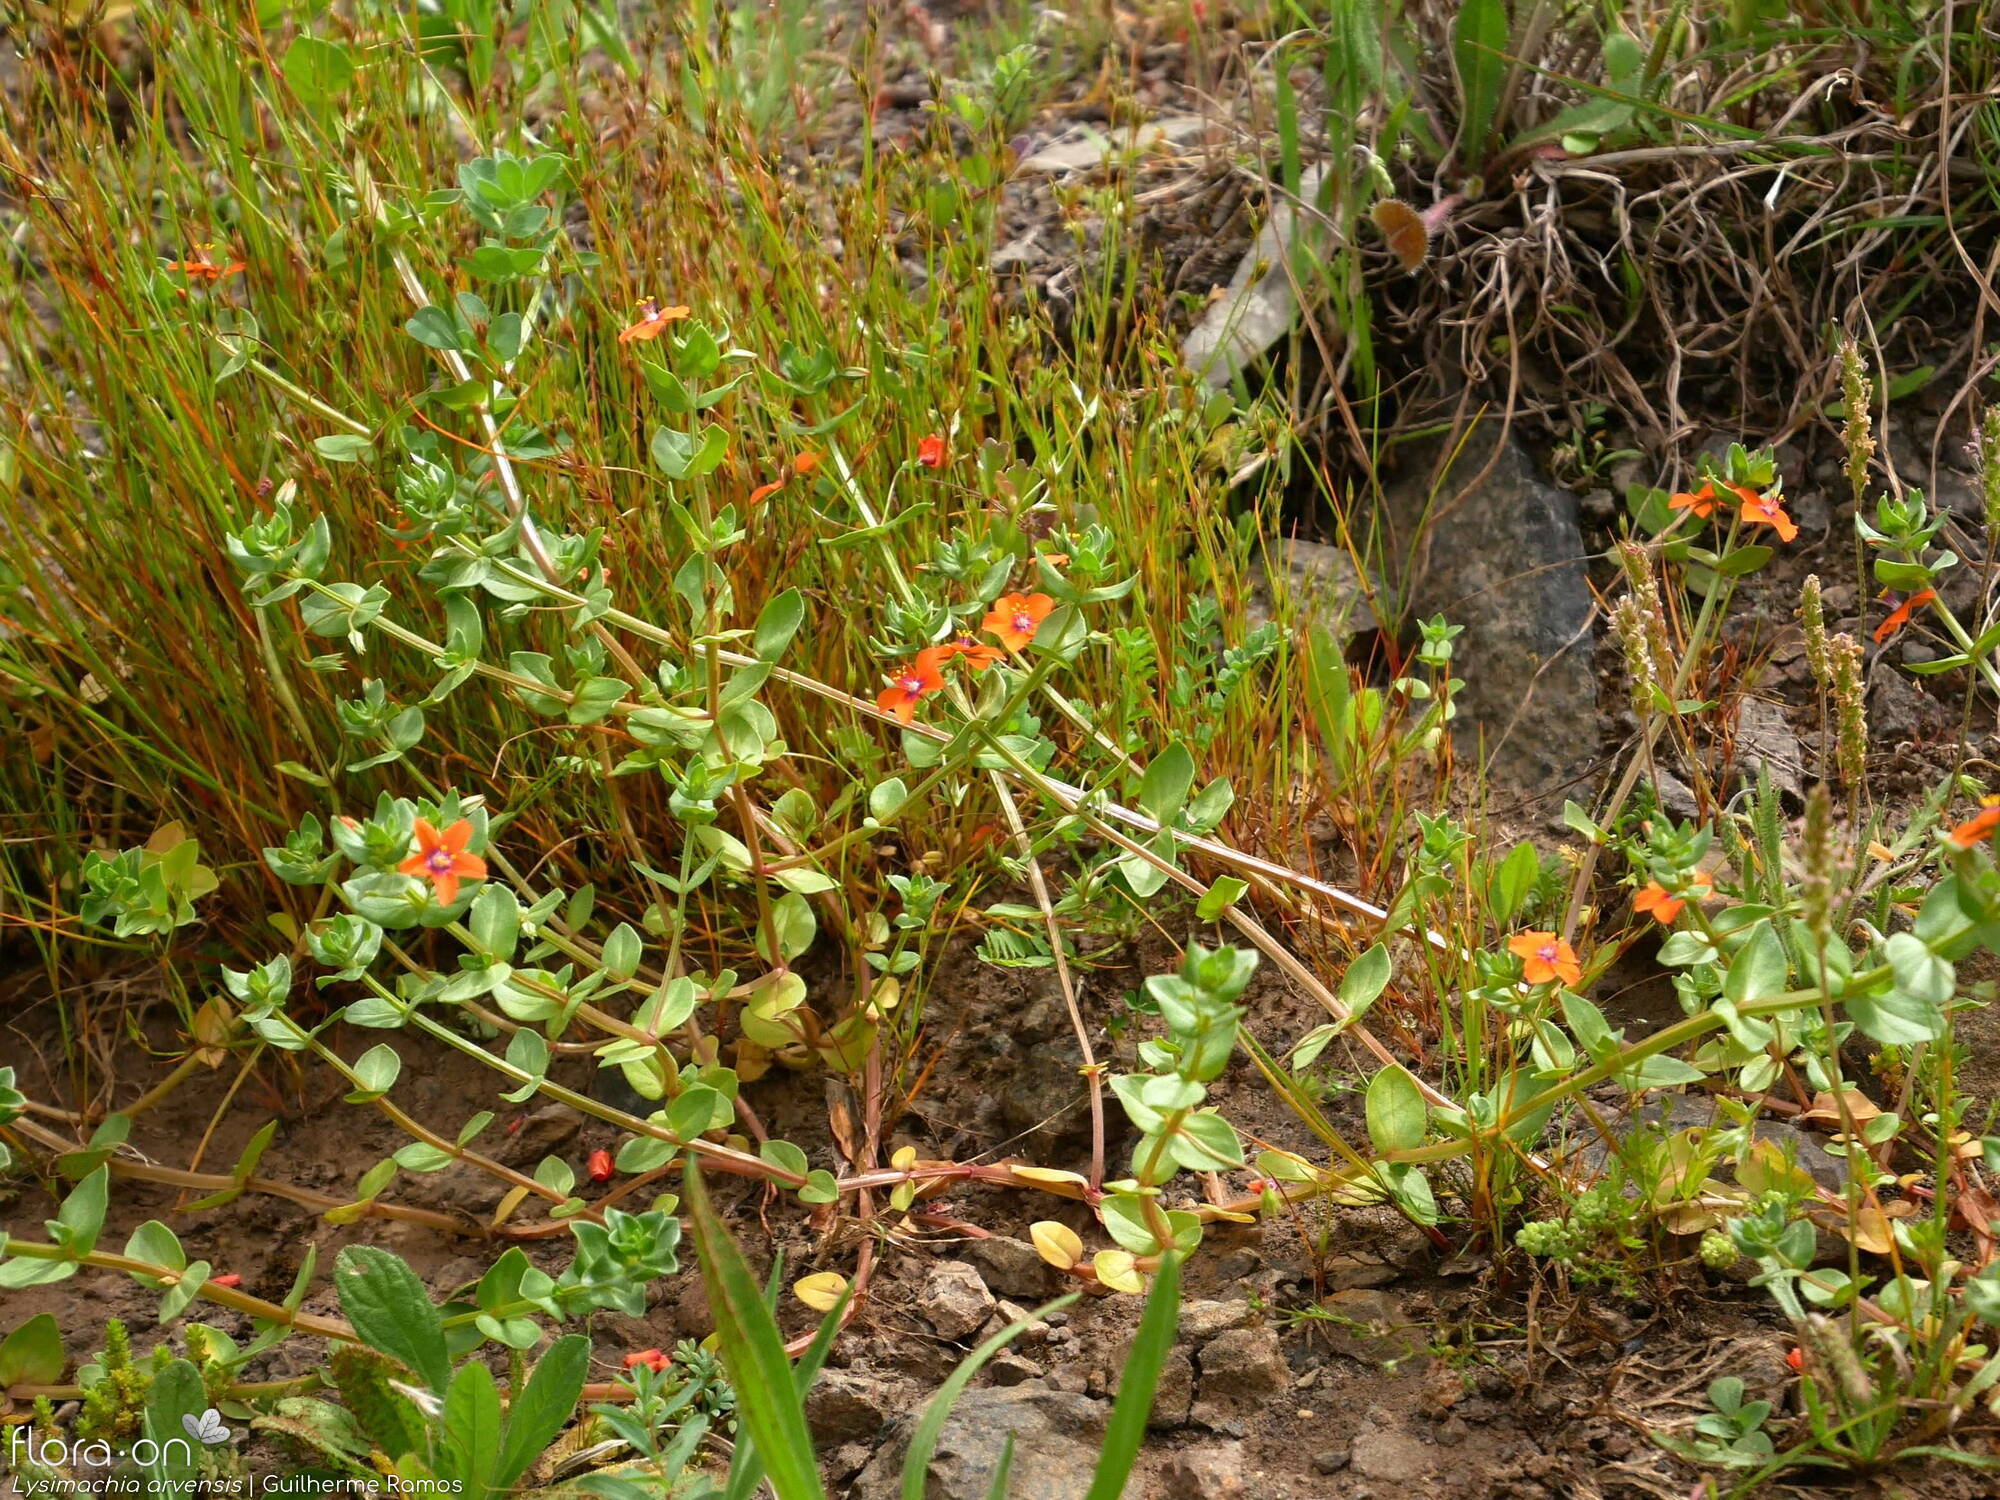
pixel 930 452
pixel 1014 620
pixel 1768 510
pixel 1544 956
pixel 805 463
pixel 199 266
pixel 1979 826
pixel 653 321
pixel 1900 615
pixel 1701 501
pixel 981 657
pixel 1653 897
pixel 441 858
pixel 907 688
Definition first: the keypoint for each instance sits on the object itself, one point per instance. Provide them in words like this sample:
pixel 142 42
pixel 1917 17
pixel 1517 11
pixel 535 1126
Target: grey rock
pixel 954 1300
pixel 1764 739
pixel 1321 582
pixel 1087 148
pixel 1677 1112
pixel 1243 1363
pixel 1372 1326
pixel 1382 1452
pixel 1202 1321
pixel 1012 1369
pixel 1056 1438
pixel 1173 1398
pixel 1503 556
pixel 1211 1472
pixel 1332 1460
pixel 1260 305
pixel 846 1406
pixel 1010 1267
pixel 1343 1272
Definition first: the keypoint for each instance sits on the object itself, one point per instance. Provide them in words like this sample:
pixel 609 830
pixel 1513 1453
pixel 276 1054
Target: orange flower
pixel 653 321
pixel 600 1166
pixel 1797 1360
pixel 441 858
pixel 652 1359
pixel 930 452
pixel 980 656
pixel 1701 502
pixel 1979 826
pixel 1015 619
pixel 1900 615
pixel 1544 957
pixel 1653 898
pixel 200 267
pixel 227 1278
pixel 1762 510
pixel 805 463
pixel 910 684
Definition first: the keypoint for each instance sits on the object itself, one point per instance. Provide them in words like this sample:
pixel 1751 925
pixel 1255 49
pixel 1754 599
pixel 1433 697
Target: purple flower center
pixel 439 861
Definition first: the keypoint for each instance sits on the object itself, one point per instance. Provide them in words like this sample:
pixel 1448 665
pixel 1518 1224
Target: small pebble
pixel 1333 1460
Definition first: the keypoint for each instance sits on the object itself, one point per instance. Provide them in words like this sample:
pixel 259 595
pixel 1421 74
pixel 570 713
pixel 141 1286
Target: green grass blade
pixel 1478 48
pixel 1003 1471
pixel 923 1442
pixel 753 1351
pixel 1150 1347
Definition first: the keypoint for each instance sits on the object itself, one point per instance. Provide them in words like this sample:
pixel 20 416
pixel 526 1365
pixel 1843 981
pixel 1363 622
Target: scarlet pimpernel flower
pixel 441 858
pixel 1015 618
pixel 1902 613
pixel 1655 899
pixel 931 451
pixel 1979 827
pixel 201 266
pixel 1545 957
pixel 653 321
pixel 911 682
pixel 1767 510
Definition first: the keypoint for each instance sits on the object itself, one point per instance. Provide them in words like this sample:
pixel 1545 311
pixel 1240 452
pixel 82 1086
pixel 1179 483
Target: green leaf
pixel 437 329
pixel 542 1407
pixel 1912 1010
pixel 777 623
pixel 753 1351
pixel 1512 882
pixel 1362 985
pixel 1760 969
pixel 923 1441
pixel 317 70
pixel 1137 1383
pixel 1396 1112
pixel 1164 788
pixel 386 1302
pixel 1479 51
pixel 82 1213
pixel 1225 893
pixel 342 447
pixel 465 1446
pixel 33 1353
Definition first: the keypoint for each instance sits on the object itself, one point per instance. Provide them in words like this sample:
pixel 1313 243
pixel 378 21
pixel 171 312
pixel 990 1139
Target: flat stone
pixel 1321 581
pixel 1373 1326
pixel 954 1300
pixel 1202 1321
pixel 1211 1472
pixel 1056 1438
pixel 1384 1453
pixel 1502 555
pixel 1260 305
pixel 845 1406
pixel 1011 1267
pixel 1243 1363
pixel 1088 148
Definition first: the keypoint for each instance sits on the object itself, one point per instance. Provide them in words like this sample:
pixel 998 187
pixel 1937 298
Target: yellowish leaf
pixel 820 1291
pixel 1119 1271
pixel 1056 1243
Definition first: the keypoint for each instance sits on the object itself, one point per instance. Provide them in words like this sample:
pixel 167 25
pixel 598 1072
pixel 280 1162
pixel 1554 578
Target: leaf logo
pixel 206 1428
